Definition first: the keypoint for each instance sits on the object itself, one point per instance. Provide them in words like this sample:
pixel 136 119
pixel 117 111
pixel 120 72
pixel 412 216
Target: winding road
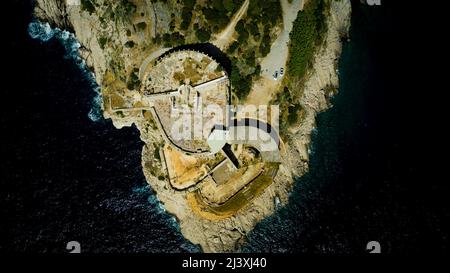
pixel 224 39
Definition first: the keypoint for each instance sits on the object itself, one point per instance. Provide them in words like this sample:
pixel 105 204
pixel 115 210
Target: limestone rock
pixel 214 236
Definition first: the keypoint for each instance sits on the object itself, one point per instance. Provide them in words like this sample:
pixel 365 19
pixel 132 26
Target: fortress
pixel 222 162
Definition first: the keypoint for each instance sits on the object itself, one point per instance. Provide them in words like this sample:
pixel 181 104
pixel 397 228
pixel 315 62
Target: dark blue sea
pixel 68 175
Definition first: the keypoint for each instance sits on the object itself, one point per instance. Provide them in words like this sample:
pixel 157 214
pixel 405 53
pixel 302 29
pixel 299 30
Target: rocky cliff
pixel 105 35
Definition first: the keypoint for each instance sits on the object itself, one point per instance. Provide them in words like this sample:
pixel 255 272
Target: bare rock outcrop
pixel 228 234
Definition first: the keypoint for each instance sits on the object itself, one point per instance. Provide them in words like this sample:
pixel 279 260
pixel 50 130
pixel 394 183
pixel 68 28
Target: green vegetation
pixel 264 48
pixel 141 26
pixel 129 44
pixel 211 16
pixel 102 42
pixel 219 13
pixel 171 40
pixel 121 11
pixel 261 19
pixel 269 12
pixel 156 153
pixel 118 11
pixel 120 114
pixel 306 34
pixel 125 7
pixel 241 83
pixel 133 81
pixel 88 6
pixel 233 47
pixel 203 35
pixel 255 36
pixel 186 14
pixel 290 109
pixel 230 5
pixel 218 158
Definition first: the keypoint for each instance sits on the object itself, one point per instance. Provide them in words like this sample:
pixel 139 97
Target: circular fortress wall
pixel 189 92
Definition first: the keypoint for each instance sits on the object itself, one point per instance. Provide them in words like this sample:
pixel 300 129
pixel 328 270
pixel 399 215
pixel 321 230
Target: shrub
pixel 102 42
pixel 87 5
pixel 233 47
pixel 241 84
pixel 156 153
pixel 186 14
pixel 133 81
pixel 141 26
pixel 229 5
pixel 129 44
pixel 202 35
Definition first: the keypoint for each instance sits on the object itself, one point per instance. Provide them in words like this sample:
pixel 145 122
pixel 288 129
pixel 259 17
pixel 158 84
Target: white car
pixel 281 71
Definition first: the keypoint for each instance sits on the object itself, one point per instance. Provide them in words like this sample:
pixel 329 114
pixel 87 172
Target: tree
pixel 133 81
pixel 241 84
pixel 218 5
pixel 88 6
pixel 264 47
pixel 306 33
pixel 229 5
pixel 102 41
pixel 250 59
pixel 233 47
pixel 186 16
pixel 203 35
pixel 257 70
pixel 129 44
pixel 240 27
pixel 141 26
pixel 252 27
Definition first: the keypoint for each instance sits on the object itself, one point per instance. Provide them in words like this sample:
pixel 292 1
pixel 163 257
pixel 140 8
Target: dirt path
pixel 223 39
pixel 263 89
pixel 151 57
pixel 278 54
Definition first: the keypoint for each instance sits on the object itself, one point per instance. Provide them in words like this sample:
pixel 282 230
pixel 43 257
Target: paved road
pixel 278 54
